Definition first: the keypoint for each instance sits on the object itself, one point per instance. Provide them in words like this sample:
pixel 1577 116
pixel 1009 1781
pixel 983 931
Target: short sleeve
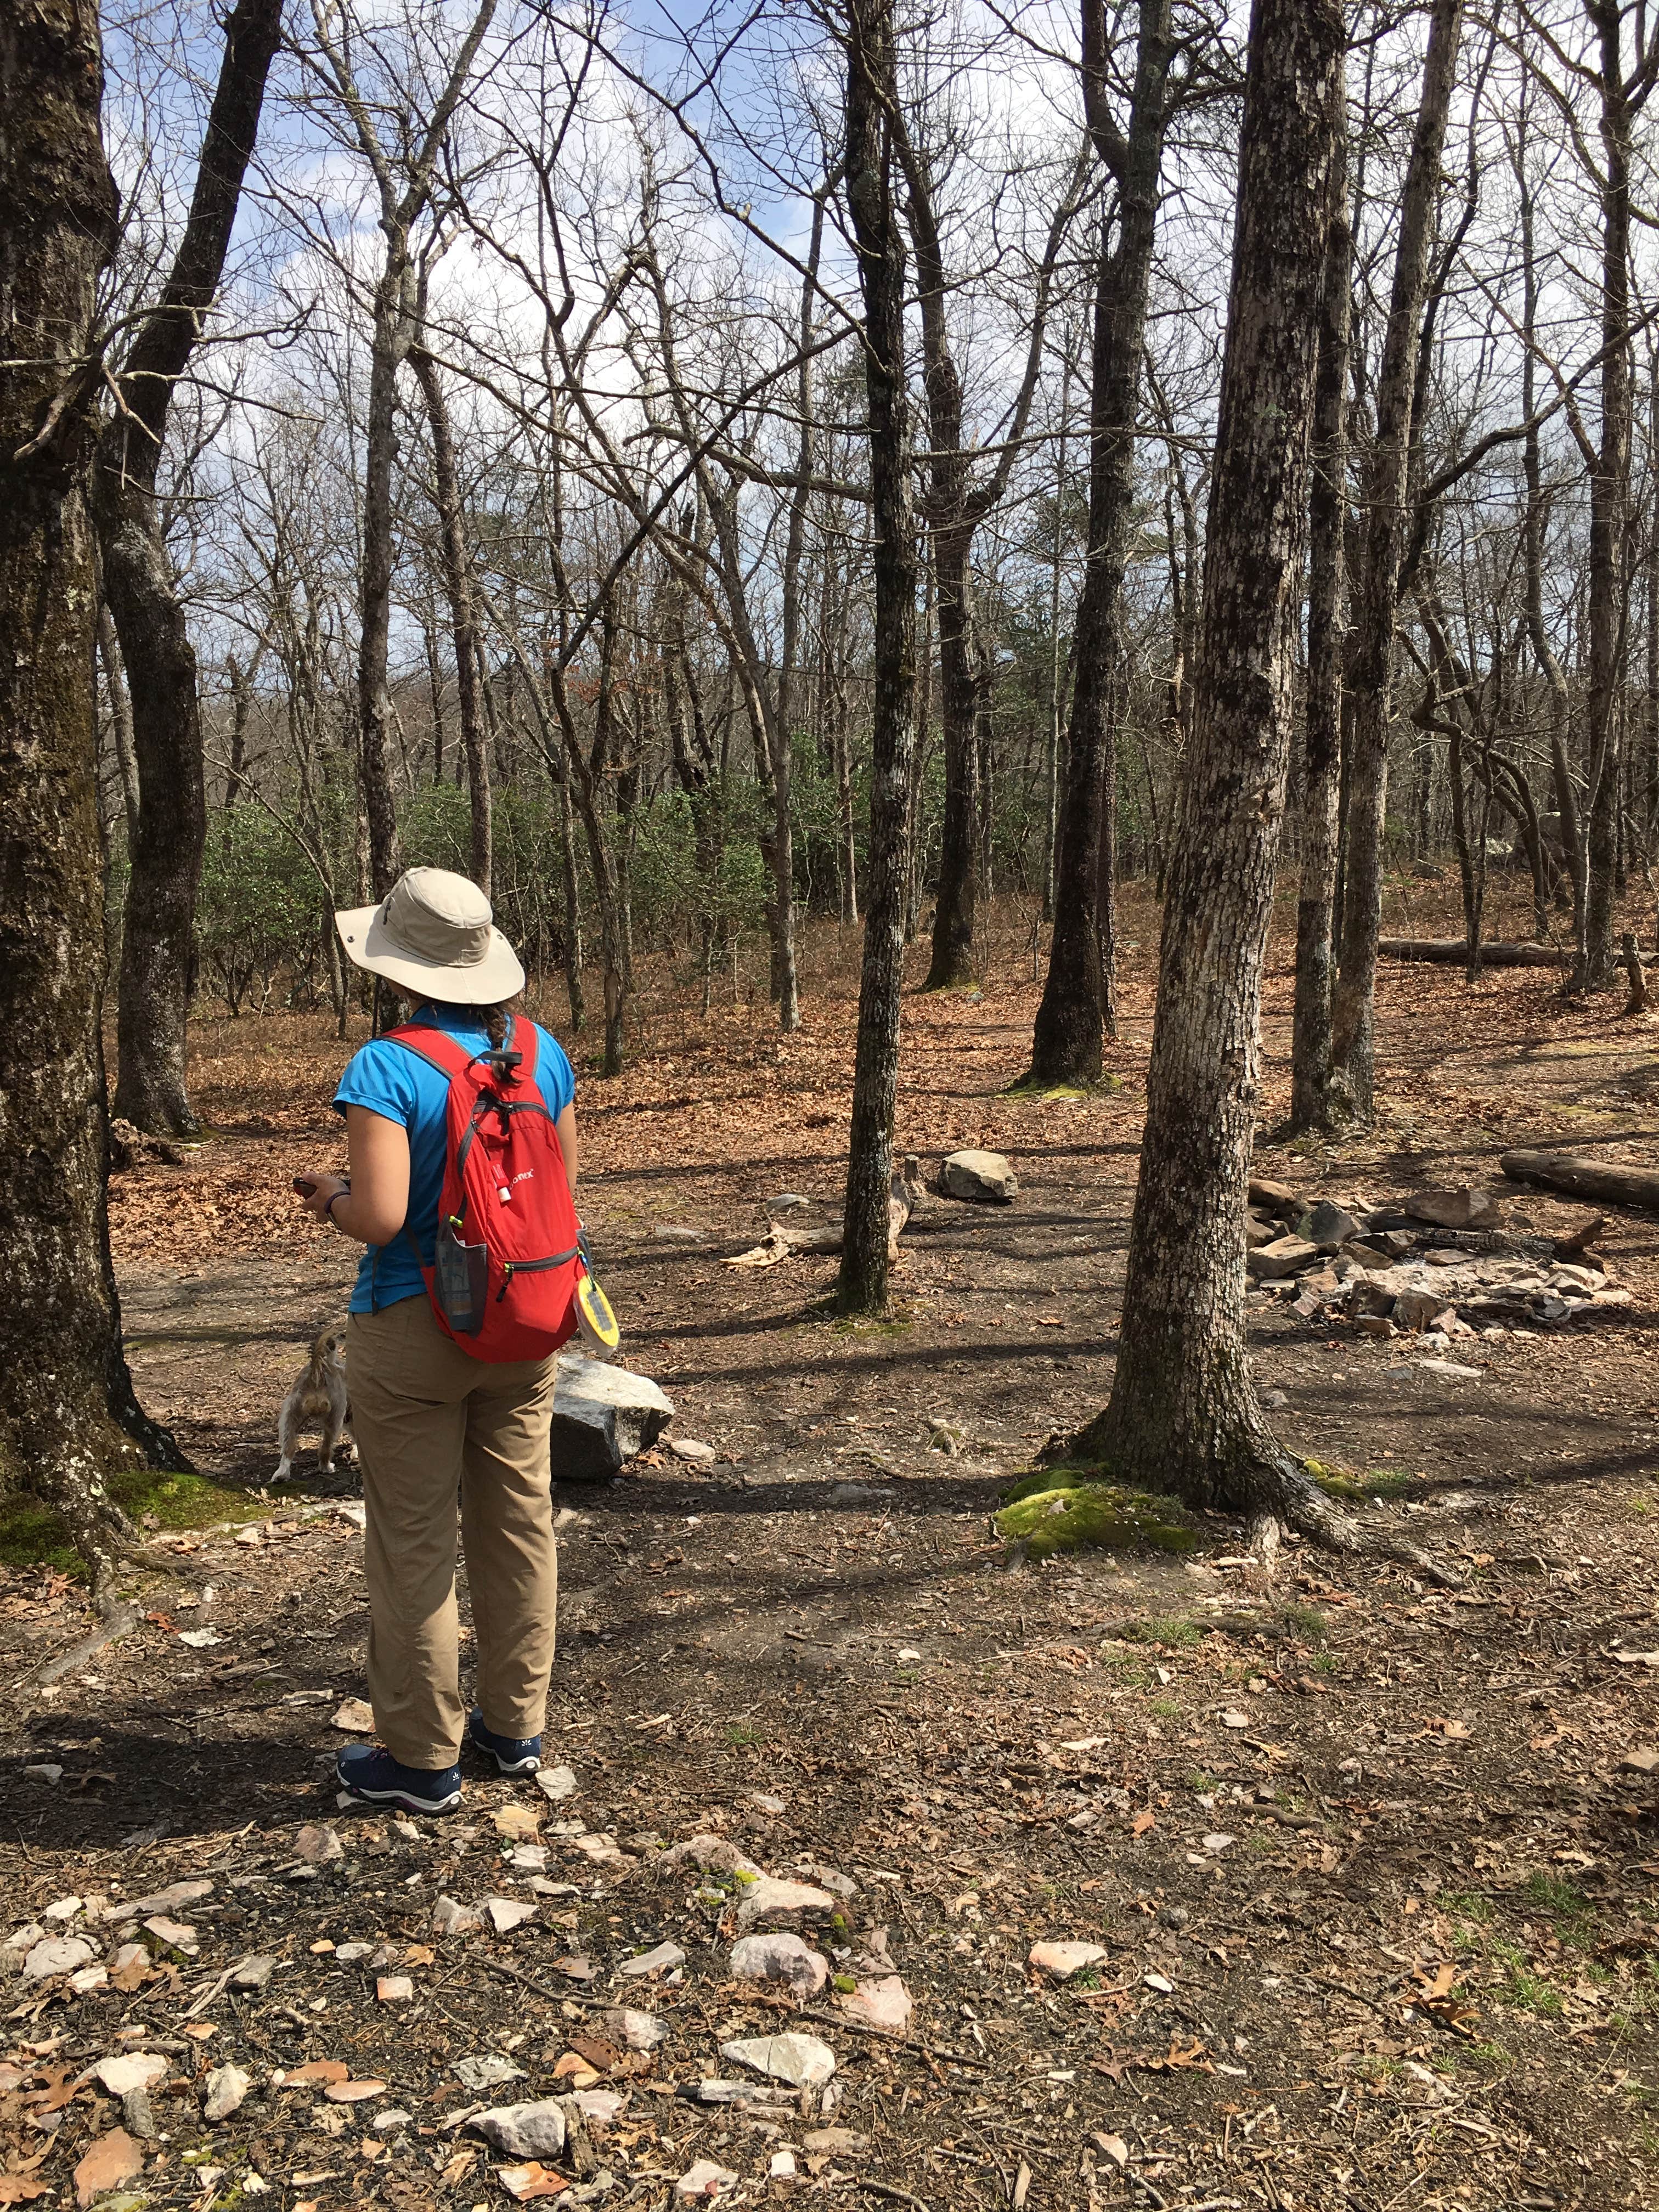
pixel 382 1078
pixel 554 1073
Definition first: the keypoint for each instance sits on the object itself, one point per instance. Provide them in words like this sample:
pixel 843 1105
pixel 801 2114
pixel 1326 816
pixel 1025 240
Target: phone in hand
pixel 306 1185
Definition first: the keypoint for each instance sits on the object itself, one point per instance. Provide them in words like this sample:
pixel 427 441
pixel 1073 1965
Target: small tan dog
pixel 317 1401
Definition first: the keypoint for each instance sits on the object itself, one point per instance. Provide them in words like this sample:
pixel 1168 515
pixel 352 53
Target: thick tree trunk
pixel 158 944
pixel 1066 1039
pixel 1377 594
pixel 1582 1178
pixel 67 1417
pixel 464 628
pixel 872 94
pixel 1184 1415
pixel 1311 1037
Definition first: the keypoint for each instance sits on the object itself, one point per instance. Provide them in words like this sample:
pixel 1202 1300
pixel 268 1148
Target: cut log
pixel 1582 1178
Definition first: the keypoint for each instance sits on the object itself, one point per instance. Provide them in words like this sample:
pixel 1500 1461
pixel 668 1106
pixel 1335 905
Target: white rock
pixel 772 1900
pixel 200 1639
pixel 487 2069
pixel 602 1849
pixel 138 2069
pixel 803 2061
pixel 602 1416
pixel 885 2003
pixel 1062 1960
pixel 693 1449
pixel 354 1716
pixel 175 1935
pixel 226 2088
pixel 47 1771
pixel 450 1918
pixel 523 2130
pixel 1217 1843
pixel 766 1803
pixel 781 1958
pixel 89 1978
pixel 57 1954
pixel 507 1913
pixel 657 1961
pixel 599 2106
pixel 347 1954
pixel 528 1858
pixel 319 1846
pixel 704 2179
pixel 395 1989
pixel 390 2120
pixel 782 2165
pixel 64 1908
pixel 555 1783
pixel 639 2031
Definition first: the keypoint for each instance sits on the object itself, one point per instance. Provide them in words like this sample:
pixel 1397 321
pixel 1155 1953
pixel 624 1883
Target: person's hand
pixel 315 1191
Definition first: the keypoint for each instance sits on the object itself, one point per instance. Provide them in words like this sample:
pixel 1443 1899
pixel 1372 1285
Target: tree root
pixel 117 1618
pixel 1311 1514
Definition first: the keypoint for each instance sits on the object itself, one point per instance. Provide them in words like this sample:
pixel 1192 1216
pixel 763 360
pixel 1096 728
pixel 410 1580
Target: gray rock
pixel 710 1855
pixel 450 1918
pixel 1278 1198
pixel 1327 1226
pixel 555 1783
pixel 390 2120
pixel 523 2130
pixel 255 1973
pixel 1464 1208
pixel 487 2070
pixel 602 1416
pixel 1415 1309
pixel 1257 1232
pixel 985 1177
pixel 674 1234
pixel 1274 1400
pixel 1285 1255
pixel 168 1899
pixel 783 1959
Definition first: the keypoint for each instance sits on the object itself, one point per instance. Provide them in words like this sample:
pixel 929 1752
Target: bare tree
pixel 67 1417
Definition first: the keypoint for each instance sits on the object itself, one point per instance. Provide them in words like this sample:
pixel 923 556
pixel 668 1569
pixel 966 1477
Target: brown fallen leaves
pixel 113 2158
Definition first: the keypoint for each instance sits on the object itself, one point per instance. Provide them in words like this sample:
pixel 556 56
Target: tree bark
pixel 158 958
pixel 1377 594
pixel 1184 1414
pixel 457 587
pixel 67 1417
pixel 1310 1035
pixel 872 100
pixel 1070 1027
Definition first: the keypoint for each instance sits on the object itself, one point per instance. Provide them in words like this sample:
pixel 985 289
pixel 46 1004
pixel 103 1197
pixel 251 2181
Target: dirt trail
pixel 1373 1881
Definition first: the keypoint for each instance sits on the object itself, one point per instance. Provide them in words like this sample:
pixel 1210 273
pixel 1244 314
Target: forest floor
pixel 1372 1867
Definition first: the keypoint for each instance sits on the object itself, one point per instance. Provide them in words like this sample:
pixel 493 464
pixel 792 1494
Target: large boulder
pixel 1285 1255
pixel 602 1416
pixel 1464 1208
pixel 986 1176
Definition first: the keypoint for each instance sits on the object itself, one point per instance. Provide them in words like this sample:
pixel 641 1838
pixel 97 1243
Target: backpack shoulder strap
pixel 434 1046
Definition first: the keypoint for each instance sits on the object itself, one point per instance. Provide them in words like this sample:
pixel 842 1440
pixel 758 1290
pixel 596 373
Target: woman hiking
pixel 436 1408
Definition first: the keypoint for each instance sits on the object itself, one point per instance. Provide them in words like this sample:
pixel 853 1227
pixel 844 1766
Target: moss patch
pixel 31 1535
pixel 1060 1094
pixel 1346 1482
pixel 1048 1514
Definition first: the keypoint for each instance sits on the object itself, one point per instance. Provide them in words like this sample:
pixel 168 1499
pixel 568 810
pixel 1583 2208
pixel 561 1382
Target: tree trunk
pixel 458 587
pixel 1376 595
pixel 1184 1414
pixel 393 321
pixel 1066 1043
pixel 67 1417
pixel 1310 1045
pixel 872 94
pixel 1608 610
pixel 952 960
pixel 158 942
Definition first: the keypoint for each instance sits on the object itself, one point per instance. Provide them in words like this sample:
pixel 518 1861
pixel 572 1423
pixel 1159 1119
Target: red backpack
pixel 508 1254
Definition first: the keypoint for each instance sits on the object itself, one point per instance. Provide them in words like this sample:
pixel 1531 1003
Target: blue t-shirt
pixel 402 1087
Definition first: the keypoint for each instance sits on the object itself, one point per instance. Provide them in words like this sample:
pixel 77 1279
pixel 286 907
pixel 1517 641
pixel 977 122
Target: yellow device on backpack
pixel 596 1323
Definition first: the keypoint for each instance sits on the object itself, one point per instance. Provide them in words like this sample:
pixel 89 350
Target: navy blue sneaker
pixel 512 1755
pixel 378 1779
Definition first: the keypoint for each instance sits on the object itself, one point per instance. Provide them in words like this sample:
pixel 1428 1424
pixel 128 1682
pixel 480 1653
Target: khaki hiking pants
pixel 431 1421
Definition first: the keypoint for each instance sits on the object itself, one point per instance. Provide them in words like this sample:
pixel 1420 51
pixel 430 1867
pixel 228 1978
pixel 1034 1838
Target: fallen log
pixel 1582 1178
pixel 1454 953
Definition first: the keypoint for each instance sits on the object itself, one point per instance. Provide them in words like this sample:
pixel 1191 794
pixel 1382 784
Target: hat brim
pixel 485 982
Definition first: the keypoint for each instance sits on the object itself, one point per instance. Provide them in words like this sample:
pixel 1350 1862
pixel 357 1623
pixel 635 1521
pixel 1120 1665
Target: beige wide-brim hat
pixel 432 935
